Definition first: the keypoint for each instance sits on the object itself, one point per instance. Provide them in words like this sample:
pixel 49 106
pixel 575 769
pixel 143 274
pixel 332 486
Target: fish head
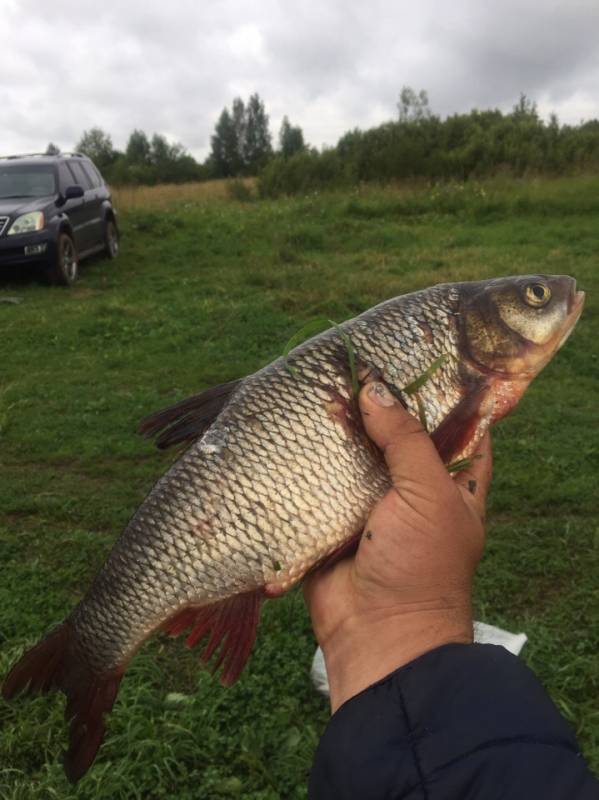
pixel 509 329
pixel 512 327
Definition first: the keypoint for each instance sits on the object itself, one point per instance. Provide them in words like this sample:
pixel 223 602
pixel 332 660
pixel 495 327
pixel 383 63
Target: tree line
pixel 417 144
pixel 240 145
pixel 420 144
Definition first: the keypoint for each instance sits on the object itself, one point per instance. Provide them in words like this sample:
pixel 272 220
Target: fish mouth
pixel 575 306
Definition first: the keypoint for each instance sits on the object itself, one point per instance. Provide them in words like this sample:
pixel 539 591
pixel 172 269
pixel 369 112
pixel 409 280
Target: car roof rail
pixel 67 154
pixel 24 155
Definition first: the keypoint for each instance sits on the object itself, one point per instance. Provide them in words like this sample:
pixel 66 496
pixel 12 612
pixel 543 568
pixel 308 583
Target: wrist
pixel 367 647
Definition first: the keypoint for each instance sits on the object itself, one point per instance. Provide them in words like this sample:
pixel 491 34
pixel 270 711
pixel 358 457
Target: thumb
pixel 407 448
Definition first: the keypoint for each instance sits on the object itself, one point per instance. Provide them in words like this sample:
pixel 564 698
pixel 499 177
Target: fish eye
pixel 537 294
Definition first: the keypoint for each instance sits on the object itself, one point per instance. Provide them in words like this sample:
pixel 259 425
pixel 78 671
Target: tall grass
pixel 172 195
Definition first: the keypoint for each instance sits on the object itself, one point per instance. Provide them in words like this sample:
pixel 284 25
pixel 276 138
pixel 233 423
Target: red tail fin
pixel 232 625
pixel 54 663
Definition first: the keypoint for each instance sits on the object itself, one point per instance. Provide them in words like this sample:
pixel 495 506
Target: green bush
pixel 307 171
pixel 460 148
pixel 240 191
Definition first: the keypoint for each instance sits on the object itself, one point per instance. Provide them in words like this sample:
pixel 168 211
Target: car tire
pixel 111 239
pixel 65 269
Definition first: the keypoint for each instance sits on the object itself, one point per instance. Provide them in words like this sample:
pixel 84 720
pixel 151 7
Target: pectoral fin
pixel 459 427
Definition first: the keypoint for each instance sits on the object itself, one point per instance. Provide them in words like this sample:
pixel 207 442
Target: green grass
pixel 206 291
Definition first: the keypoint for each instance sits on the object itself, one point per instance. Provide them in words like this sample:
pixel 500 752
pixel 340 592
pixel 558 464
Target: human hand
pixel 408 588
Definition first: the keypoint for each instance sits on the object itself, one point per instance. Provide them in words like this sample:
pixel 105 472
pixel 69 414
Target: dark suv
pixel 54 211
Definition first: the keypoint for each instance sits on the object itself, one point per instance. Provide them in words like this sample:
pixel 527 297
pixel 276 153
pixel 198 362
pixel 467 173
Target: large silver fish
pixel 279 477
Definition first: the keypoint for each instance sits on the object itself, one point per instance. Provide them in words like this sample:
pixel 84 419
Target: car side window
pixel 79 175
pixel 92 173
pixel 65 178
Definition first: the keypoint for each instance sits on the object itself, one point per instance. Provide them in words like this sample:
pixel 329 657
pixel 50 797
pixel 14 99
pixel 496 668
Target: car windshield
pixel 19 180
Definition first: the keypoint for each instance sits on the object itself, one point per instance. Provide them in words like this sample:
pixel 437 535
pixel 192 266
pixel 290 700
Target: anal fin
pixel 230 625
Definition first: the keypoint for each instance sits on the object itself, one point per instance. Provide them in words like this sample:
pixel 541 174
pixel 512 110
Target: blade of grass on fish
pixel 310 328
pixel 351 355
pixel 416 384
pixel 458 465
pixel 462 463
pixel 421 412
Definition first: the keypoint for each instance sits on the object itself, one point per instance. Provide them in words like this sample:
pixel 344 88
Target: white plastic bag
pixel 483 634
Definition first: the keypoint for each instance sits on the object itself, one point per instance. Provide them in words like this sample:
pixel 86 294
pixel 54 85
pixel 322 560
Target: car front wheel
pixel 111 239
pixel 66 265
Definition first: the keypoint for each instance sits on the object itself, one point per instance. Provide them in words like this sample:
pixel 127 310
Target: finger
pixel 408 450
pixel 476 478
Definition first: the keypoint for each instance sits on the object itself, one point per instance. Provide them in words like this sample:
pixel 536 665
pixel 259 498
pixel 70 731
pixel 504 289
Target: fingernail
pixel 380 395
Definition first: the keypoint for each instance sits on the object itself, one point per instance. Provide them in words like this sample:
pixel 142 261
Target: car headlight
pixel 27 223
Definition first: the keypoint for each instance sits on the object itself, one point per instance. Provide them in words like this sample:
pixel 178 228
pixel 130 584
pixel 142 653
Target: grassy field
pixel 206 290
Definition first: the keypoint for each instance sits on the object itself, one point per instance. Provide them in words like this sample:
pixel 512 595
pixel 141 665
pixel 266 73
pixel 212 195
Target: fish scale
pixel 279 476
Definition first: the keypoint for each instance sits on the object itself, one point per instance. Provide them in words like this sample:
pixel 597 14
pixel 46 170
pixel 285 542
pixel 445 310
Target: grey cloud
pixel 329 65
pixel 535 47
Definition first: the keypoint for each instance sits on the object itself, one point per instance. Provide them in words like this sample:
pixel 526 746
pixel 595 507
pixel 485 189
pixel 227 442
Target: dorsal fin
pixel 188 419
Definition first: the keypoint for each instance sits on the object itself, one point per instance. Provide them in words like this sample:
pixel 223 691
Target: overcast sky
pixel 330 65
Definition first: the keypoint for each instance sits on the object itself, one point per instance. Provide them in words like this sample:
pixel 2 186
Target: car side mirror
pixel 73 192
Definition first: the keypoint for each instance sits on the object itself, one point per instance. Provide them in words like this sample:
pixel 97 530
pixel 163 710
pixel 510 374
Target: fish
pixel 277 477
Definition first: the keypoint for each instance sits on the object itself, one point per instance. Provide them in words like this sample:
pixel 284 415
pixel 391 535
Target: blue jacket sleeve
pixel 462 722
